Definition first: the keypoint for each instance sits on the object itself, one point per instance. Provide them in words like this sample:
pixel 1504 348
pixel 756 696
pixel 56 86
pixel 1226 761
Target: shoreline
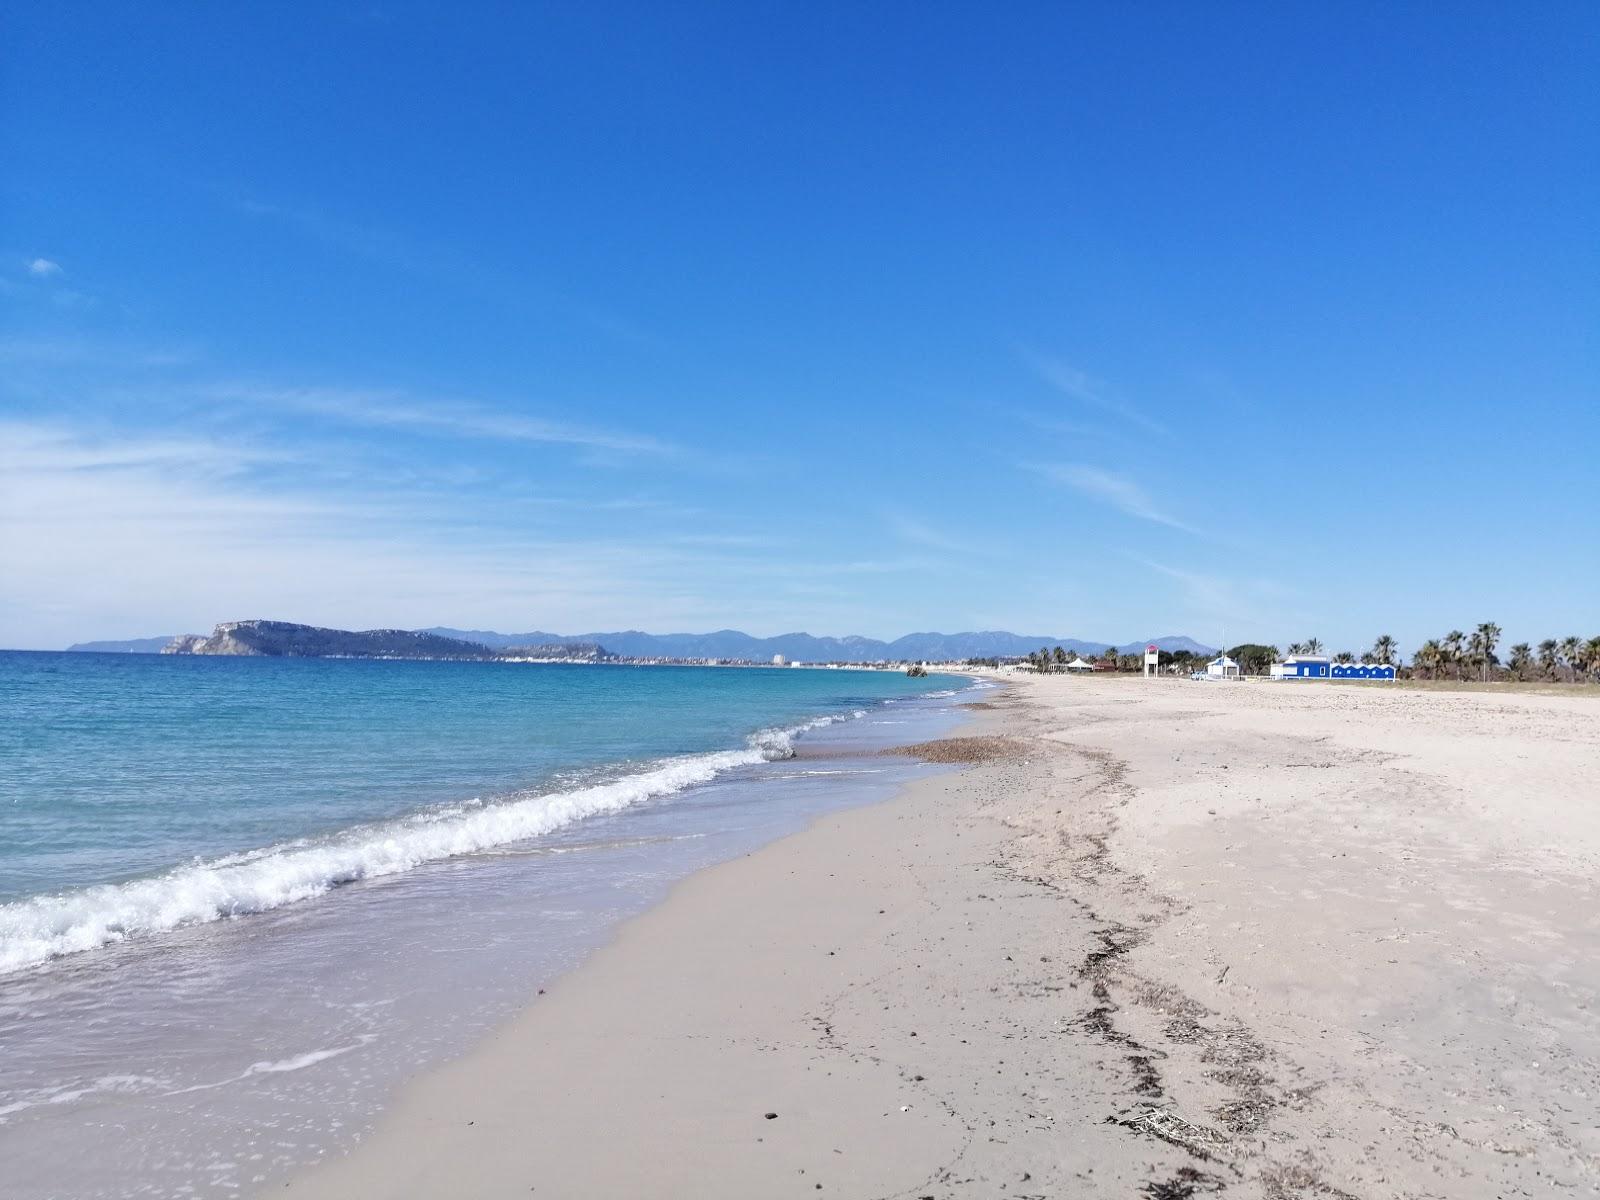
pixel 248 1040
pixel 660 948
pixel 52 926
pixel 1164 940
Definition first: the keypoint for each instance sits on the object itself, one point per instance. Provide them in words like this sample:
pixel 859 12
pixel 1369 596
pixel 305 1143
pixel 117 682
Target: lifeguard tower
pixel 1152 661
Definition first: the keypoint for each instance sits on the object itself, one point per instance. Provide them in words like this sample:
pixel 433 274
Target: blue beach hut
pixel 1363 671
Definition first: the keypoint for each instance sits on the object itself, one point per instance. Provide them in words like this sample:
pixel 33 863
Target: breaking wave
pixel 42 928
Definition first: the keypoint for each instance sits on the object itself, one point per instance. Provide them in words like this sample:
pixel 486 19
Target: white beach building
pixel 1222 667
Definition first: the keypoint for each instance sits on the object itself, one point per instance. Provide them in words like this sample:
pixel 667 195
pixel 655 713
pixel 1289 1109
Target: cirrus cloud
pixel 1117 491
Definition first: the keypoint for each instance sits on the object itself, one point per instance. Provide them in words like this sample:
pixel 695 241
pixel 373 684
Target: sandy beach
pixel 1139 939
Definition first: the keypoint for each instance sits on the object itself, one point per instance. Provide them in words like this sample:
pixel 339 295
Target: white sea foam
pixel 41 928
pixel 298 1062
pixel 75 1092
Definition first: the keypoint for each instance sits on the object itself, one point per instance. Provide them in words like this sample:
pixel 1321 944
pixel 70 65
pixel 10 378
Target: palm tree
pixel 1577 659
pixel 1570 653
pixel 1521 659
pixel 1344 656
pixel 1313 646
pixel 1296 648
pixel 1430 657
pixel 1583 659
pixel 1484 639
pixel 1451 645
pixel 1547 655
pixel 1384 649
pixel 1060 657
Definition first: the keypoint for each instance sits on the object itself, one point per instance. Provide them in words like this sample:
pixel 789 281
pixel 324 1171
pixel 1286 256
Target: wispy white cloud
pixel 1079 430
pixel 814 567
pixel 1080 386
pixel 368 241
pixel 615 504
pixel 458 419
pixel 1210 593
pixel 736 540
pixel 43 268
pixel 103 534
pixel 41 449
pixel 919 533
pixel 99 353
pixel 1220 606
pixel 401 251
pixel 1117 491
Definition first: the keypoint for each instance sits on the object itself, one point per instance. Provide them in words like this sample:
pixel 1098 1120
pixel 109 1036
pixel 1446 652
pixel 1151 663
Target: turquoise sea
pixel 242 899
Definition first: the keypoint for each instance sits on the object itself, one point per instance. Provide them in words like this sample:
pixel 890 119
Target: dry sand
pixel 1141 940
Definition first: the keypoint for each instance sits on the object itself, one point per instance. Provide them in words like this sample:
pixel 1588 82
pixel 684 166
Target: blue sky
pixel 1101 321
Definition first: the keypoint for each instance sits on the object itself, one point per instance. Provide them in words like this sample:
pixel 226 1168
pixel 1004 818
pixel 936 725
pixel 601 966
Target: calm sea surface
pixel 243 899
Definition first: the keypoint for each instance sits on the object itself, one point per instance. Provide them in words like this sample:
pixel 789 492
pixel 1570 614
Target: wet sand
pixel 1140 939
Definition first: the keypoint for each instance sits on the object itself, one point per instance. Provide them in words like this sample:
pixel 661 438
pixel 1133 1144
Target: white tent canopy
pixel 1222 667
pixel 1080 664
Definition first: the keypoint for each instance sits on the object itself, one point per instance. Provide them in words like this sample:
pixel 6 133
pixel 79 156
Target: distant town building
pixel 779 660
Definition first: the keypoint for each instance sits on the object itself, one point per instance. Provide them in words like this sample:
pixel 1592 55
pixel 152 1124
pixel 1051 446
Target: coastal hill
pixel 283 639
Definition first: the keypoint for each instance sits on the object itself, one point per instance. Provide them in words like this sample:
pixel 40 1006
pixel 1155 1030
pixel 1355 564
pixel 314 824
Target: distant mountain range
pixel 804 647
pixel 630 643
